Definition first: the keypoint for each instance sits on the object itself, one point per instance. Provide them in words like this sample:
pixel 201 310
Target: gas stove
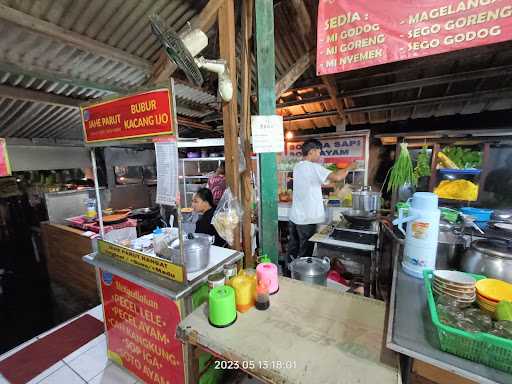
pixel 361 234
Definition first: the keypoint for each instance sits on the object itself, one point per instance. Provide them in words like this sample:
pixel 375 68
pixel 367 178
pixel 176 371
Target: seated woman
pixel 202 203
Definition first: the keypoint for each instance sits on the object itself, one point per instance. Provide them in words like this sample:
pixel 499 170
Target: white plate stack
pixel 457 285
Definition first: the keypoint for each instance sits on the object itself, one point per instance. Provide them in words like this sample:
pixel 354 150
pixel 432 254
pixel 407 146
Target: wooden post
pixel 226 20
pixel 486 168
pixel 265 63
pixel 245 131
pixel 433 167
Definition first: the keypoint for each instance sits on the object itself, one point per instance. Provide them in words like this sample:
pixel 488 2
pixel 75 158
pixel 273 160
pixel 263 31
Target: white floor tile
pixel 84 348
pixel 46 373
pixel 113 375
pixel 97 312
pixel 16 349
pixel 92 362
pixel 3 380
pixel 64 375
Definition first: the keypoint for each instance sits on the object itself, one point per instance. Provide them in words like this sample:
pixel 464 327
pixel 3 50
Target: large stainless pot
pixel 196 251
pixel 492 258
pixel 312 270
pixel 366 200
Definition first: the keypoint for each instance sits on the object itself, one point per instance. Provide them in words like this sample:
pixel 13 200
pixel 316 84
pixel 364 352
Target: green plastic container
pixel 222 306
pixel 484 348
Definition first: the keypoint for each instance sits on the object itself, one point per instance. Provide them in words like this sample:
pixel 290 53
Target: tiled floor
pixel 88 364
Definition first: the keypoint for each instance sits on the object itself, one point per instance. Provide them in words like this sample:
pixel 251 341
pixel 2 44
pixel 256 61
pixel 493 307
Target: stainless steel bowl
pixel 492 258
pixel 502 215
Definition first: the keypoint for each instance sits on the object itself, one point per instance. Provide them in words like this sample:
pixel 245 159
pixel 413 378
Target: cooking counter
pixel 173 290
pixel 411 332
pixel 64 248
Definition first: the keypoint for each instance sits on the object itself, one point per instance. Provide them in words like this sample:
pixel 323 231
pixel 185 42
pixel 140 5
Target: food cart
pixel 145 296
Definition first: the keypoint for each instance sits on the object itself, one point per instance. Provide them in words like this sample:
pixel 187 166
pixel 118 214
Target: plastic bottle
pixel 262 296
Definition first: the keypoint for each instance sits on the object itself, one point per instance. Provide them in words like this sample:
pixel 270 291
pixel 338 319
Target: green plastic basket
pixel 484 348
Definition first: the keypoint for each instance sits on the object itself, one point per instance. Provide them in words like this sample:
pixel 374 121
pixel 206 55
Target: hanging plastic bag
pixel 227 216
pixel 242 164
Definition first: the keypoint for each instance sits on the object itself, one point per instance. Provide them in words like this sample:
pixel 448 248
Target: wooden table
pixel 310 334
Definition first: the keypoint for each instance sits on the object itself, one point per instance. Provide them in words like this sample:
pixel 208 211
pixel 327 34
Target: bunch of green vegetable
pixel 464 157
pixel 422 164
pixel 331 167
pixel 402 172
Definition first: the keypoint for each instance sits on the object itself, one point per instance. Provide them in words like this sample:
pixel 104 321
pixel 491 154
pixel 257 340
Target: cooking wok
pixel 359 217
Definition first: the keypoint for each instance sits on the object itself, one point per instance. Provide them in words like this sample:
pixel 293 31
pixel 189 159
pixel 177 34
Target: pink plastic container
pixel 267 272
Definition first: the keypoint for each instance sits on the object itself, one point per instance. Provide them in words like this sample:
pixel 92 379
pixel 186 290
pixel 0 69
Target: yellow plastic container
pixel 495 290
pixel 245 288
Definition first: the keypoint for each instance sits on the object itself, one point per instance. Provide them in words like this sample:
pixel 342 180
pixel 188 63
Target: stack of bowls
pixel 456 285
pixel 489 292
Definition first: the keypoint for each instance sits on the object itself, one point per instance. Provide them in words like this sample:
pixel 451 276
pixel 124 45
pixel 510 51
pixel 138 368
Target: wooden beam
pixel 309 116
pixel 227 48
pixel 330 83
pixel 295 72
pixel 72 38
pixel 245 128
pixel 193 124
pixel 302 18
pixel 38 97
pixel 265 67
pixel 303 102
pixel 205 20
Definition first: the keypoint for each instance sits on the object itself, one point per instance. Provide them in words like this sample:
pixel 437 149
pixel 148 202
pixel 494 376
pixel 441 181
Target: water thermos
pixel 422 233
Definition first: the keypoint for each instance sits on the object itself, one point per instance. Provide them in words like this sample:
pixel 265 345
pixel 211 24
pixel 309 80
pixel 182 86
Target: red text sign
pixel 140 330
pixel 143 114
pixel 5 168
pixel 356 34
pixel 333 149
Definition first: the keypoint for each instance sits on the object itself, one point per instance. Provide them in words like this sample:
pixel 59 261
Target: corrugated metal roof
pixel 32 60
pixel 35 61
pixel 463 82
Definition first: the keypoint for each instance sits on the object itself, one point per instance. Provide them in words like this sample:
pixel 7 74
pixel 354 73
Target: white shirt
pixel 307 205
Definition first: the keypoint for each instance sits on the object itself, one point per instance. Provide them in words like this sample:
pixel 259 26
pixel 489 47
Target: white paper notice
pixel 167 172
pixel 267 134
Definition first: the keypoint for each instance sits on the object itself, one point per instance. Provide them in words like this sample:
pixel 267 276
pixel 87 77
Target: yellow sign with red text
pixel 150 263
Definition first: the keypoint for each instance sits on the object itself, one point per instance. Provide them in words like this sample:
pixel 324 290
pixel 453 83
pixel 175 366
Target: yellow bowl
pixel 495 290
pixel 488 307
pixel 490 313
pixel 486 301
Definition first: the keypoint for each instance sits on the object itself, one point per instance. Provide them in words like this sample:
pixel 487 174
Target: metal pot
pixel 502 215
pixel 492 258
pixel 312 270
pixel 450 247
pixel 366 200
pixel 196 251
pixel 358 217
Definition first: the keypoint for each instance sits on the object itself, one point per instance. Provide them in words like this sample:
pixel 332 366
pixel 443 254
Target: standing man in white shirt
pixel 307 206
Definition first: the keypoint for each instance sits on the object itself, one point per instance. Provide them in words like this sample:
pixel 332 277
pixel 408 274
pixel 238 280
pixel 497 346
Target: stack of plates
pixel 489 292
pixel 457 285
